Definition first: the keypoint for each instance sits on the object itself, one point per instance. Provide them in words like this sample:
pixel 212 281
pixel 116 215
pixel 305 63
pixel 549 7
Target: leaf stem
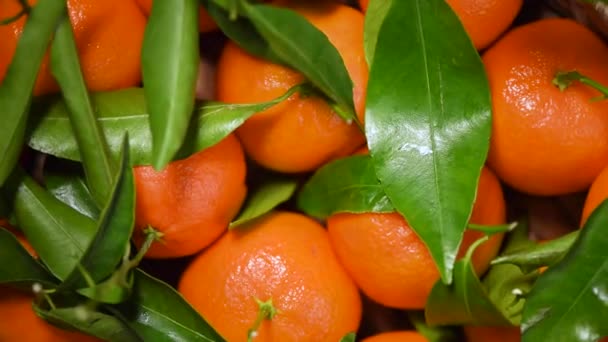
pixel 563 80
pixel 266 311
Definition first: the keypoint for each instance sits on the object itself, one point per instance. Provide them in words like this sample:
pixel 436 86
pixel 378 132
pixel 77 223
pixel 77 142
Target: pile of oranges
pixel 309 278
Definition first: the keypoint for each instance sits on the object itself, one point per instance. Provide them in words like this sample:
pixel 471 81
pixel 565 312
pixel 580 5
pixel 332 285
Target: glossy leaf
pixel 115 227
pixel 18 83
pixel 465 301
pixel 264 198
pixel 345 185
pixel 58 233
pixel 428 122
pixel 374 17
pixel 124 111
pixel 539 255
pixel 350 337
pixel 71 189
pixel 303 47
pixel 92 146
pixel 94 323
pixel 170 59
pixel 156 312
pixel 18 266
pixel 569 302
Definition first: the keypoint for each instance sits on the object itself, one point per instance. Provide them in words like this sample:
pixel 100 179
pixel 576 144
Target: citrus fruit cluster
pixel 287 276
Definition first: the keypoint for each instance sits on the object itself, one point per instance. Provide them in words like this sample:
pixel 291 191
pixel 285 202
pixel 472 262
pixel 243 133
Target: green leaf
pixel 170 59
pixel 539 255
pixel 115 227
pixel 350 337
pixel 18 83
pixel 264 198
pixel 124 111
pixel 344 185
pixel 465 301
pixel 155 309
pixel 432 334
pixel 58 233
pixel 18 266
pixel 569 302
pixel 65 66
pixel 428 122
pixel 92 322
pixel 71 189
pixel 374 17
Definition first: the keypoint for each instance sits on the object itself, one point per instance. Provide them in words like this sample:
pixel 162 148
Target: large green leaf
pixel 115 227
pixel 156 312
pixel 92 146
pixel 18 83
pixel 345 185
pixel 124 111
pixel 569 302
pixel 18 266
pixel 428 122
pixel 170 59
pixel 58 233
pixel 374 17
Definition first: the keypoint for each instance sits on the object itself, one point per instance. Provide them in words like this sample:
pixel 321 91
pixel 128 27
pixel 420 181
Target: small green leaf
pixel 95 323
pixel 18 83
pixel 569 302
pixel 170 59
pixel 344 185
pixel 539 255
pixel 58 233
pixel 71 189
pixel 115 227
pixel 350 337
pixel 92 146
pixel 374 17
pixel 155 309
pixel 428 122
pixel 264 198
pixel 465 301
pixel 432 334
pixel 18 266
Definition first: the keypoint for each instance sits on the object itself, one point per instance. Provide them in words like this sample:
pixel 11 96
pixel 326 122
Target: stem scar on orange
pixel 303 132
pixel 283 257
pixel 390 263
pixel 108 34
pixel 192 201
pixel 546 141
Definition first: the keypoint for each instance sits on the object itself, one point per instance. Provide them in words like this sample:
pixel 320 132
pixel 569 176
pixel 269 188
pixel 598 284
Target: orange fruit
pixel 494 334
pixel 282 256
pixel 301 133
pixel 20 323
pixel 396 336
pixel 108 36
pixel 191 201
pixel 596 195
pixel 205 22
pixel 390 263
pixel 483 20
pixel 546 141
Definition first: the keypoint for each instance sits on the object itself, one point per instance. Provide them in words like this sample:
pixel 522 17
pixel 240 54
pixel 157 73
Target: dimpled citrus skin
pixel 390 263
pixel 20 323
pixel 191 201
pixel 545 141
pixel 285 257
pixel 397 336
pixel 301 133
pixel 108 35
